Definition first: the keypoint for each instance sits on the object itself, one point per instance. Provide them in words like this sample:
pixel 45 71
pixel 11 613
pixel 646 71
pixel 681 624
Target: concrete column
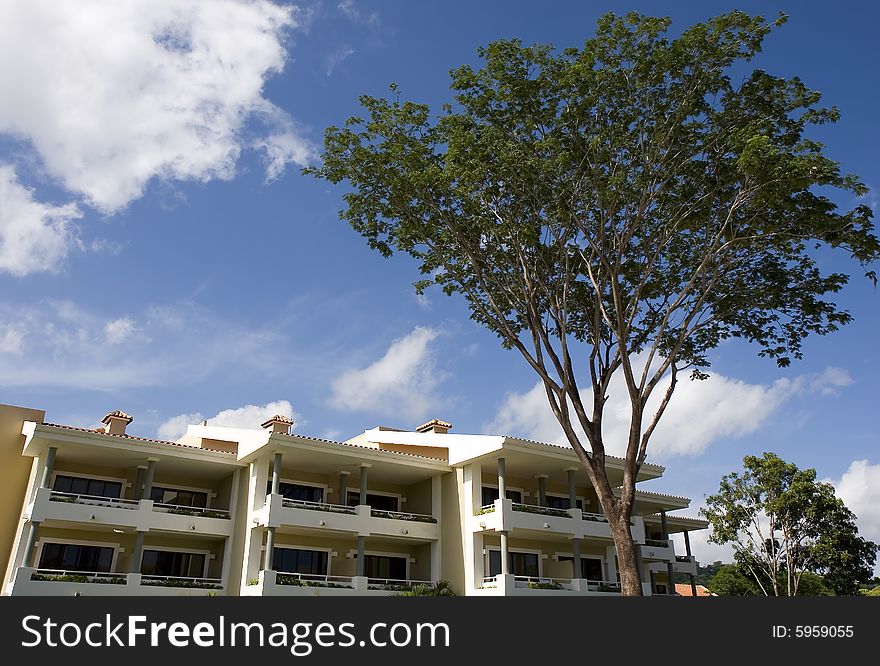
pixel 343 488
pixel 276 473
pixel 653 582
pixel 361 565
pixel 270 548
pixel 363 497
pixel 663 526
pixel 502 487
pixel 542 489
pixel 137 552
pixel 687 544
pixel 435 561
pixel 48 467
pixel 148 478
pixel 670 574
pixel 139 483
pixel 576 558
pixel 693 585
pixel 29 554
pixel 505 554
pixel 572 487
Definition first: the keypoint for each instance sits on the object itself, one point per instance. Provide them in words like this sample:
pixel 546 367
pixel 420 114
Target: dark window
pixel 591 569
pixel 81 486
pixel 491 494
pixel 521 564
pixel 661 588
pixel 560 502
pixel 293 560
pixel 163 495
pixel 384 566
pixel 381 502
pixel 296 491
pixel 170 563
pixel 73 557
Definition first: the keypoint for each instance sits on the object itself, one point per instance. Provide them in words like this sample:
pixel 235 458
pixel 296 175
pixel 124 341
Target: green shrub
pixel 181 582
pixel 441 588
pixel 544 585
pixel 78 578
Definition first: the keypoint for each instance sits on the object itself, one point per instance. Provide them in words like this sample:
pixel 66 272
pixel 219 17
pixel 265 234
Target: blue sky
pixel 161 253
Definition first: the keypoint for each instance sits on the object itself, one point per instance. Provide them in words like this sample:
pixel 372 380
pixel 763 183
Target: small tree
pixel 785 528
pixel 615 210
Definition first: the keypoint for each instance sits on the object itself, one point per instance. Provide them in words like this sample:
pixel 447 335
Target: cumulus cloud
pixel 248 416
pixel 34 236
pixel 120 93
pixel 401 383
pixel 859 488
pixel 699 413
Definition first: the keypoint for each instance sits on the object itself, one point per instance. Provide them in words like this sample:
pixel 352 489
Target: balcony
pixel 58 582
pixel 279 584
pixel 657 550
pixel 507 515
pixel 142 514
pixel 512 585
pixel 681 565
pixel 361 519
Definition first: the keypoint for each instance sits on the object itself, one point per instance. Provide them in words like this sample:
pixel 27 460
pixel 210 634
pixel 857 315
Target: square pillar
pixel 360 566
pixel 276 473
pixel 363 489
pixel 505 554
pixel 139 482
pixel 137 552
pixel 670 574
pixel 502 486
pixel 343 485
pixel 542 489
pixel 576 558
pixel 270 548
pixel 148 477
pixel 48 467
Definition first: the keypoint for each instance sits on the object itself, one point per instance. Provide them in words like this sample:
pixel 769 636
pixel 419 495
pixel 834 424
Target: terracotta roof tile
pixel 137 439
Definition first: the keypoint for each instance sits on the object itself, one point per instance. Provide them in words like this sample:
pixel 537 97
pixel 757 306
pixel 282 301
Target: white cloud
pixel 11 339
pixel 34 236
pixel 859 488
pixel 58 344
pixel 352 13
pixel 121 93
pixel 699 413
pixel 337 57
pixel 249 416
pixel 401 383
pixel 118 331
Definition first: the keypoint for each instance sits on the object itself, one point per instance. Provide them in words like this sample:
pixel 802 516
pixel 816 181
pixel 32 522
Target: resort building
pixel 263 511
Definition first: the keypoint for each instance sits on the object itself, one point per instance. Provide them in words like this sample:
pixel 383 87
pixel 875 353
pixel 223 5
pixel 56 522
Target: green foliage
pixel 786 527
pixel 875 592
pixel 282 579
pixel 544 585
pixel 622 207
pixel 79 578
pixel 181 582
pixel 730 581
pixel 441 588
pixel 542 510
pixel 397 515
pixel 204 513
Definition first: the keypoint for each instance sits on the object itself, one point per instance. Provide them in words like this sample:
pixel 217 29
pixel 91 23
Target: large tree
pixel 787 529
pixel 618 209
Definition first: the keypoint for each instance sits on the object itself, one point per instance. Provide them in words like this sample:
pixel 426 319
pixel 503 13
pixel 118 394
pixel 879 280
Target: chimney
pixel 435 426
pixel 278 423
pixel 116 422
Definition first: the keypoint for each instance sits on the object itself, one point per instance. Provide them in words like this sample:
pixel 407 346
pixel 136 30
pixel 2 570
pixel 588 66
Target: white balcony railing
pixel 92 500
pixel 186 510
pixel 66 575
pixel 403 515
pixel 379 583
pixel 181 581
pixel 317 506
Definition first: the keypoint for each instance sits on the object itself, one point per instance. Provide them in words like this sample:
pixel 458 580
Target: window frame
pixel 173 549
pixel 525 551
pixel 78 542
pixel 173 486
pixel 124 483
pixel 319 549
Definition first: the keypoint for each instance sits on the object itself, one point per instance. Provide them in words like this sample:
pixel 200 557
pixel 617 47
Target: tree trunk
pixel 627 560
